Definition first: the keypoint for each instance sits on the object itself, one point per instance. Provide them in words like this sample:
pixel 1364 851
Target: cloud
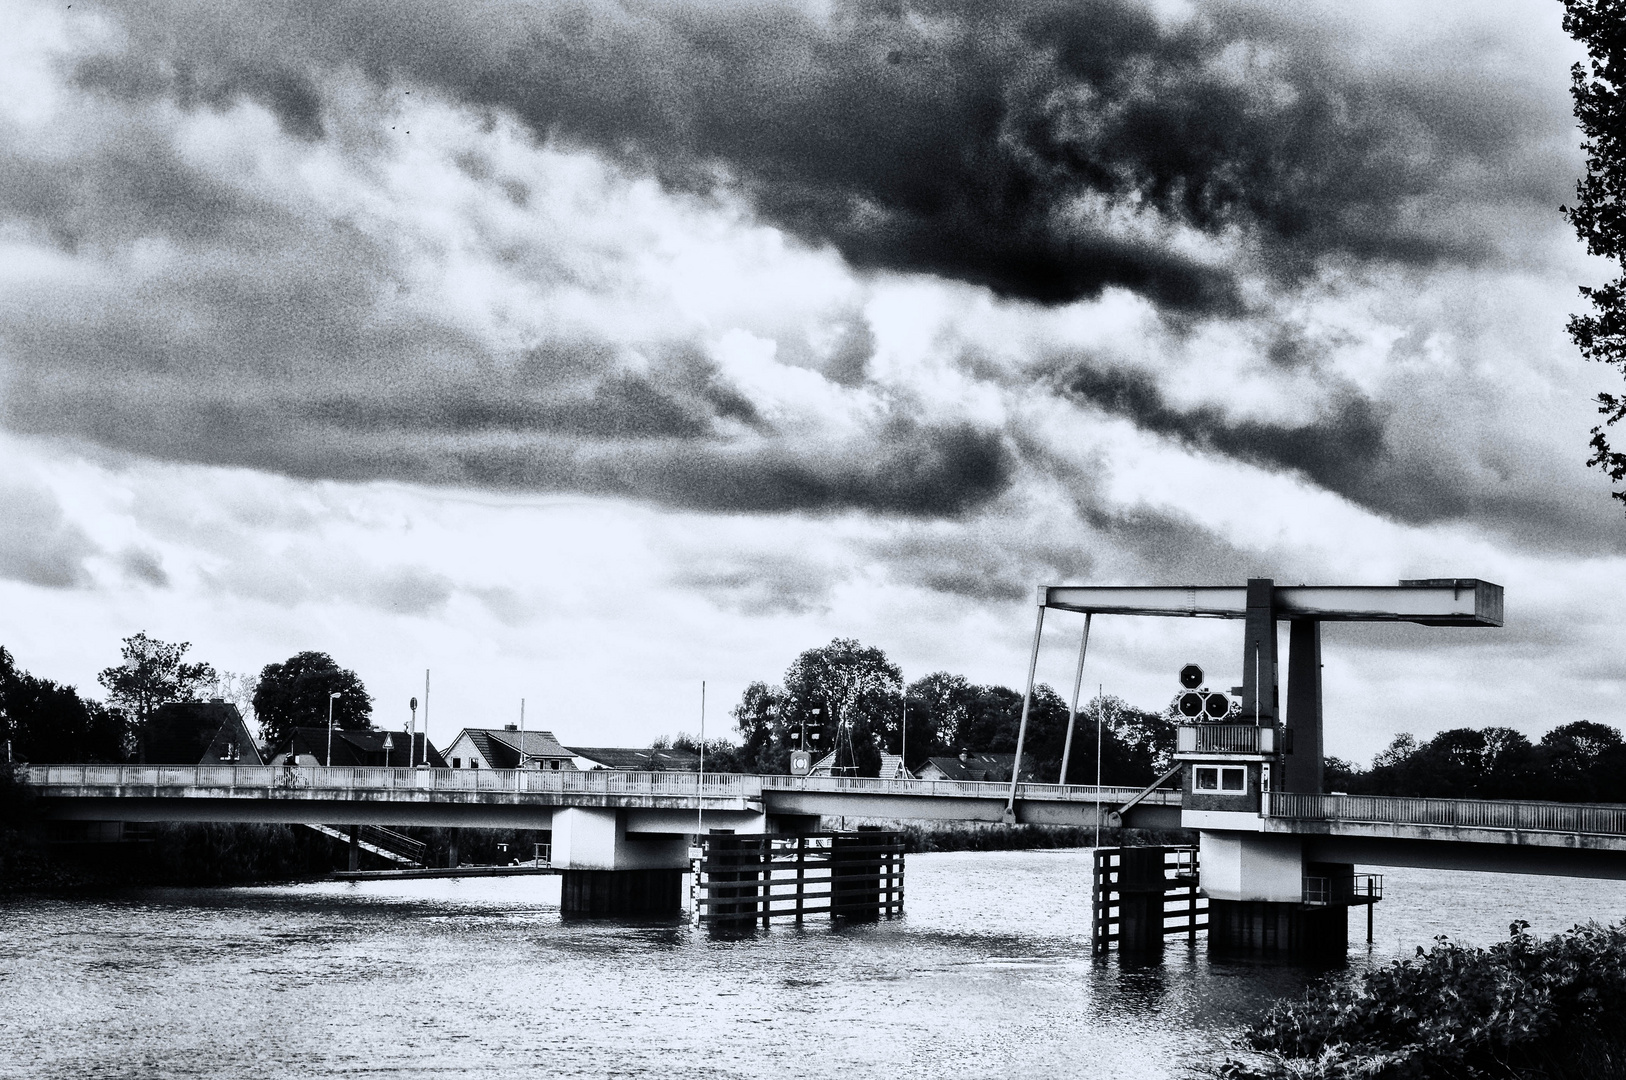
pixel 38 545
pixel 1046 151
pixel 144 566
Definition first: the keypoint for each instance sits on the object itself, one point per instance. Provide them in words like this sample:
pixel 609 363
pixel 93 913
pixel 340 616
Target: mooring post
pixel 1027 701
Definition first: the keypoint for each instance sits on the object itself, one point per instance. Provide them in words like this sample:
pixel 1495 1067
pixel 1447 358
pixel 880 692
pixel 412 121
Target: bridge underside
pixel 1503 857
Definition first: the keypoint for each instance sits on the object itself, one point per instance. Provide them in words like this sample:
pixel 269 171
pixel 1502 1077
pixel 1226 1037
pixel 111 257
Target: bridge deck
pixel 404 795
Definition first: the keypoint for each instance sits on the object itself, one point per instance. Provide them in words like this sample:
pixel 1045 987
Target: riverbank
pixel 1526 1007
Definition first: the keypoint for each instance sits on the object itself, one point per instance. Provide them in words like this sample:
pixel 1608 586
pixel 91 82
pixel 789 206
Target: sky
pixel 583 352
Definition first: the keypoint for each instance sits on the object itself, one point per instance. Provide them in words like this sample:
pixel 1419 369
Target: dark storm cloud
pixel 1377 455
pixel 999 143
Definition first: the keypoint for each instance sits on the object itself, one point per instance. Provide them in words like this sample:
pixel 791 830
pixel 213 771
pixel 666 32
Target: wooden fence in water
pixel 740 880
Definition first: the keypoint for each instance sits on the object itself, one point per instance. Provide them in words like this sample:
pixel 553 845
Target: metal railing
pixel 1225 739
pixel 960 789
pixel 279 779
pixel 1345 889
pixel 1580 818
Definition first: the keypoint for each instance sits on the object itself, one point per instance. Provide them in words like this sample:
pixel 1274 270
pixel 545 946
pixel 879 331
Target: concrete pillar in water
pixel 451 848
pixel 1302 760
pixel 606 871
pixel 1256 899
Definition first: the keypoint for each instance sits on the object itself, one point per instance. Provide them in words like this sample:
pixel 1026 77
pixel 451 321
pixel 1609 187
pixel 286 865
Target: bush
pixel 1524 1007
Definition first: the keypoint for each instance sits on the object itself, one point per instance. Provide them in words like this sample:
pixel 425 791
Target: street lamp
pixel 331 698
pixel 412 756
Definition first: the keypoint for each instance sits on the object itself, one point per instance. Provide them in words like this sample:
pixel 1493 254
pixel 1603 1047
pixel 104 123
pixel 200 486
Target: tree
pixel 295 693
pixel 857 692
pixel 50 724
pixel 154 672
pixel 1598 89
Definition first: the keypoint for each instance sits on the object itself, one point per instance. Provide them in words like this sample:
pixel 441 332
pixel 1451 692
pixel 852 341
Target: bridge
pixel 1250 776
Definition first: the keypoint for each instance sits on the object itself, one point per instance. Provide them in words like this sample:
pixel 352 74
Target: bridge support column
pixel 355 847
pixel 1302 761
pixel 1256 897
pixel 607 872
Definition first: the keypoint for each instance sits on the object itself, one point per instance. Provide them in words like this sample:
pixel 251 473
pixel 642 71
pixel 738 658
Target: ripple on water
pixel 989 975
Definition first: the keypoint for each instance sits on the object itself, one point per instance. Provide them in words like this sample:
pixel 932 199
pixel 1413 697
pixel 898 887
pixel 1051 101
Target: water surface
pixel 988 975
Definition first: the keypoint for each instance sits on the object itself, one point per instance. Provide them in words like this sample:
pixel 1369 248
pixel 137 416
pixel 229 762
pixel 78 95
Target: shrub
pixel 1524 1007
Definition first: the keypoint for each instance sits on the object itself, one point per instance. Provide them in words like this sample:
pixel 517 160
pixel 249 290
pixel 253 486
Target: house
pixel 970 766
pixel 892 768
pixel 363 747
pixel 509 748
pixel 198 733
pixel 652 759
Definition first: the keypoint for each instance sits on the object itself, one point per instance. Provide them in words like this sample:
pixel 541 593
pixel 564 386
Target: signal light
pixel 1191 703
pixel 1191 677
pixel 1217 706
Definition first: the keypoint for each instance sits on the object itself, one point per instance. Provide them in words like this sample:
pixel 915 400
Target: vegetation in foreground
pixel 1553 1008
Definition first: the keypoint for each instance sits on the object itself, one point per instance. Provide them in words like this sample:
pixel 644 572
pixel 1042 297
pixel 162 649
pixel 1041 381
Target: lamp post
pixel 413 757
pixel 331 698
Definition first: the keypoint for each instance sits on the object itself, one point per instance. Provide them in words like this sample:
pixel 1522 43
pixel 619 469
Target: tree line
pixel 1582 761
pixel 47 722
pixel 848 699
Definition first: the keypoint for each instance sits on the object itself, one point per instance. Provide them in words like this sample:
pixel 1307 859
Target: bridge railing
pixel 264 778
pixel 961 789
pixel 273 779
pixel 1463 813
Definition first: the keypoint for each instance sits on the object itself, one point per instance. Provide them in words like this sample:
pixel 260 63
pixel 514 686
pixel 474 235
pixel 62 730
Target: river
pixel 988 975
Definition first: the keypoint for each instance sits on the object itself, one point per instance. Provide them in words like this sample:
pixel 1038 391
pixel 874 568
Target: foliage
pixel 1598 89
pixel 851 694
pixel 856 690
pixel 236 688
pixel 1577 762
pixel 295 693
pixel 153 673
pixel 1553 1008
pixel 47 723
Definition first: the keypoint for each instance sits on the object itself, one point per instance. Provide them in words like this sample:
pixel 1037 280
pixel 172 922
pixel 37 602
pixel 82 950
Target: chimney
pixel 510 727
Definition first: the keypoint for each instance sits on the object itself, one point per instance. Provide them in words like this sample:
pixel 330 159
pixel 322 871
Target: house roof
pixel 648 759
pixel 501 746
pixel 981 767
pixel 364 747
pixel 198 732
pixel 892 767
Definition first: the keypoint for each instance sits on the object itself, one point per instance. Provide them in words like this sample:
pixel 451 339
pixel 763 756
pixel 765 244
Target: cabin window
pixel 1226 779
pixel 457 763
pixel 553 764
pixel 474 763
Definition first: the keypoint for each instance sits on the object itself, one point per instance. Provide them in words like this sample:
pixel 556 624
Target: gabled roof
pixel 981 767
pixel 649 759
pixel 501 746
pixel 198 733
pixel 892 768
pixel 364 747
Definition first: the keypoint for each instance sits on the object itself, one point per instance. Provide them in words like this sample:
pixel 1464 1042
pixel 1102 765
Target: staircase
pixel 385 843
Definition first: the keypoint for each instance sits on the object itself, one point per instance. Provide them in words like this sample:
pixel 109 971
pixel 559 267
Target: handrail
pixel 279 779
pixel 1599 819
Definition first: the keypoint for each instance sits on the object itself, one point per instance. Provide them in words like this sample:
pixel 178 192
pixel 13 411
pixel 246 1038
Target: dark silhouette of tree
pixel 50 724
pixel 295 693
pixel 857 693
pixel 1598 89
pixel 153 673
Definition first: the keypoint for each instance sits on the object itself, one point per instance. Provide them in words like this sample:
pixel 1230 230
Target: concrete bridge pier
pixel 620 861
pixel 1257 900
